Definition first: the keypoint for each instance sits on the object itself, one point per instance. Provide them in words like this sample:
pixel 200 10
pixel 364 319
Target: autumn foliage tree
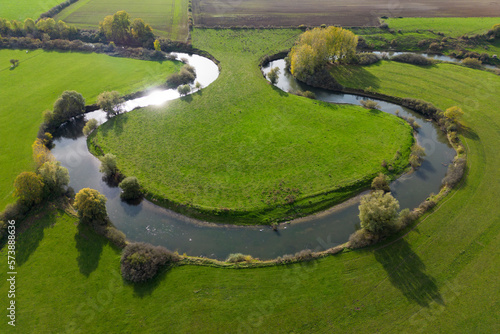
pixel 28 187
pixel 91 205
pixel 319 46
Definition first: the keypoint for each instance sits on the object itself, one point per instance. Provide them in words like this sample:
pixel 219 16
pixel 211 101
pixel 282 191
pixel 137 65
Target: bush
pixel 131 188
pixel 306 93
pixel 406 217
pixel 411 58
pixel 455 172
pixel 472 62
pixel 108 165
pixel 238 257
pixel 55 177
pixel 369 104
pixel 427 205
pixel 110 102
pixel 28 187
pixel 141 261
pixel 184 90
pixel 273 75
pixel 185 76
pixel 362 238
pixel 368 59
pixel 304 255
pixel 380 183
pixel 91 206
pixel 378 212
pixel 416 156
pixel 115 236
pixel 90 126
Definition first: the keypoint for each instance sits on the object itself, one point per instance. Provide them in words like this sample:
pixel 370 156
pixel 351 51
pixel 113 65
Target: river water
pixel 150 223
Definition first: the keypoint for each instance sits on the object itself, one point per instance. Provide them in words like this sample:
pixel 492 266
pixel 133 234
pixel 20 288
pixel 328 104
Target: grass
pixel 442 277
pixel 40 78
pixel 450 26
pixel 167 17
pixel 243 145
pixel 21 10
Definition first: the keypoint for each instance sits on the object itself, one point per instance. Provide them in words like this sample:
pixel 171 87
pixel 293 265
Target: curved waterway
pixel 148 222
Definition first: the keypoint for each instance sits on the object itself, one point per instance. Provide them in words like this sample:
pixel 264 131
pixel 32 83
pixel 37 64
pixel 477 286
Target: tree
pixel 89 126
pixel 41 154
pixel 454 114
pixel 157 45
pixel 496 29
pixel 319 46
pixel 46 25
pixel 378 212
pixel 131 188
pixel 116 27
pixel 108 165
pixel 416 156
pixel 29 188
pixel 184 89
pixel 69 104
pixel 91 205
pixel 380 183
pixel 54 176
pixel 273 75
pixel 29 25
pixel 142 32
pixel 14 62
pixel 110 102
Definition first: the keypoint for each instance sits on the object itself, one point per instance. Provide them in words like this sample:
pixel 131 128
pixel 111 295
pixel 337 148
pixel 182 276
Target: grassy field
pixel 167 17
pixel 241 143
pixel 450 26
pixel 442 277
pixel 352 13
pixel 21 10
pixel 40 78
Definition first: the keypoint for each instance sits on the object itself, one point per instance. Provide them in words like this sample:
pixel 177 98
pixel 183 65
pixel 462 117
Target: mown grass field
pixel 21 10
pixel 241 144
pixel 450 26
pixel 40 78
pixel 442 277
pixel 167 17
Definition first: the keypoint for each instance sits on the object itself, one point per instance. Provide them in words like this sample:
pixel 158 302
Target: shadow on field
pixel 89 246
pixel 145 289
pixel 356 76
pixel 406 272
pixel 28 241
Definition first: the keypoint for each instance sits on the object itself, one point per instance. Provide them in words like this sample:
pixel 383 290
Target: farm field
pixel 35 84
pixel 242 133
pixel 168 18
pixel 440 277
pixel 261 13
pixel 21 10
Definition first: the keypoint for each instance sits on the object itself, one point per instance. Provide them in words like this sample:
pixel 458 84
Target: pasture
pixel 21 10
pixel 168 18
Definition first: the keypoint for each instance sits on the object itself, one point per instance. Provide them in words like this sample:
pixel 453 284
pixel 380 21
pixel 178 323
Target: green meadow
pixel 21 10
pixel 32 87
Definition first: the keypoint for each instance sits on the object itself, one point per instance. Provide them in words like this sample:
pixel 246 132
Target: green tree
pixel 14 62
pixel 380 183
pixel 273 75
pixel 131 188
pixel 157 45
pixel 378 212
pixel 68 105
pixel 454 114
pixel 496 29
pixel 116 27
pixel 91 205
pixel 184 89
pixel 54 176
pixel 28 187
pixel 46 25
pixel 142 32
pixel 89 126
pixel 110 102
pixel 108 165
pixel 29 25
pixel 317 47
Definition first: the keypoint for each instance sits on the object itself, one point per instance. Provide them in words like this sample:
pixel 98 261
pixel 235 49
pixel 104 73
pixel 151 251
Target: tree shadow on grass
pixel 279 91
pixel 145 289
pixel 354 76
pixel 406 272
pixel 28 240
pixel 89 245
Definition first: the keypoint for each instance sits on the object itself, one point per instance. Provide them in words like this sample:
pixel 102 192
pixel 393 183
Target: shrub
pixel 496 29
pixel 455 172
pixel 369 104
pixel 472 62
pixel 306 93
pixel 378 212
pixel 54 176
pixel 131 188
pixel 110 102
pixel 115 236
pixel 14 211
pixel 380 183
pixel 412 58
pixel 406 217
pixel 69 104
pixel 304 255
pixel 416 156
pixel 287 258
pixel 90 126
pixel 368 59
pixel 236 258
pixel 454 114
pixel 184 89
pixel 141 261
pixel 185 76
pixel 91 206
pixel 273 75
pixel 427 205
pixel 41 153
pixel 362 238
pixel 108 165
